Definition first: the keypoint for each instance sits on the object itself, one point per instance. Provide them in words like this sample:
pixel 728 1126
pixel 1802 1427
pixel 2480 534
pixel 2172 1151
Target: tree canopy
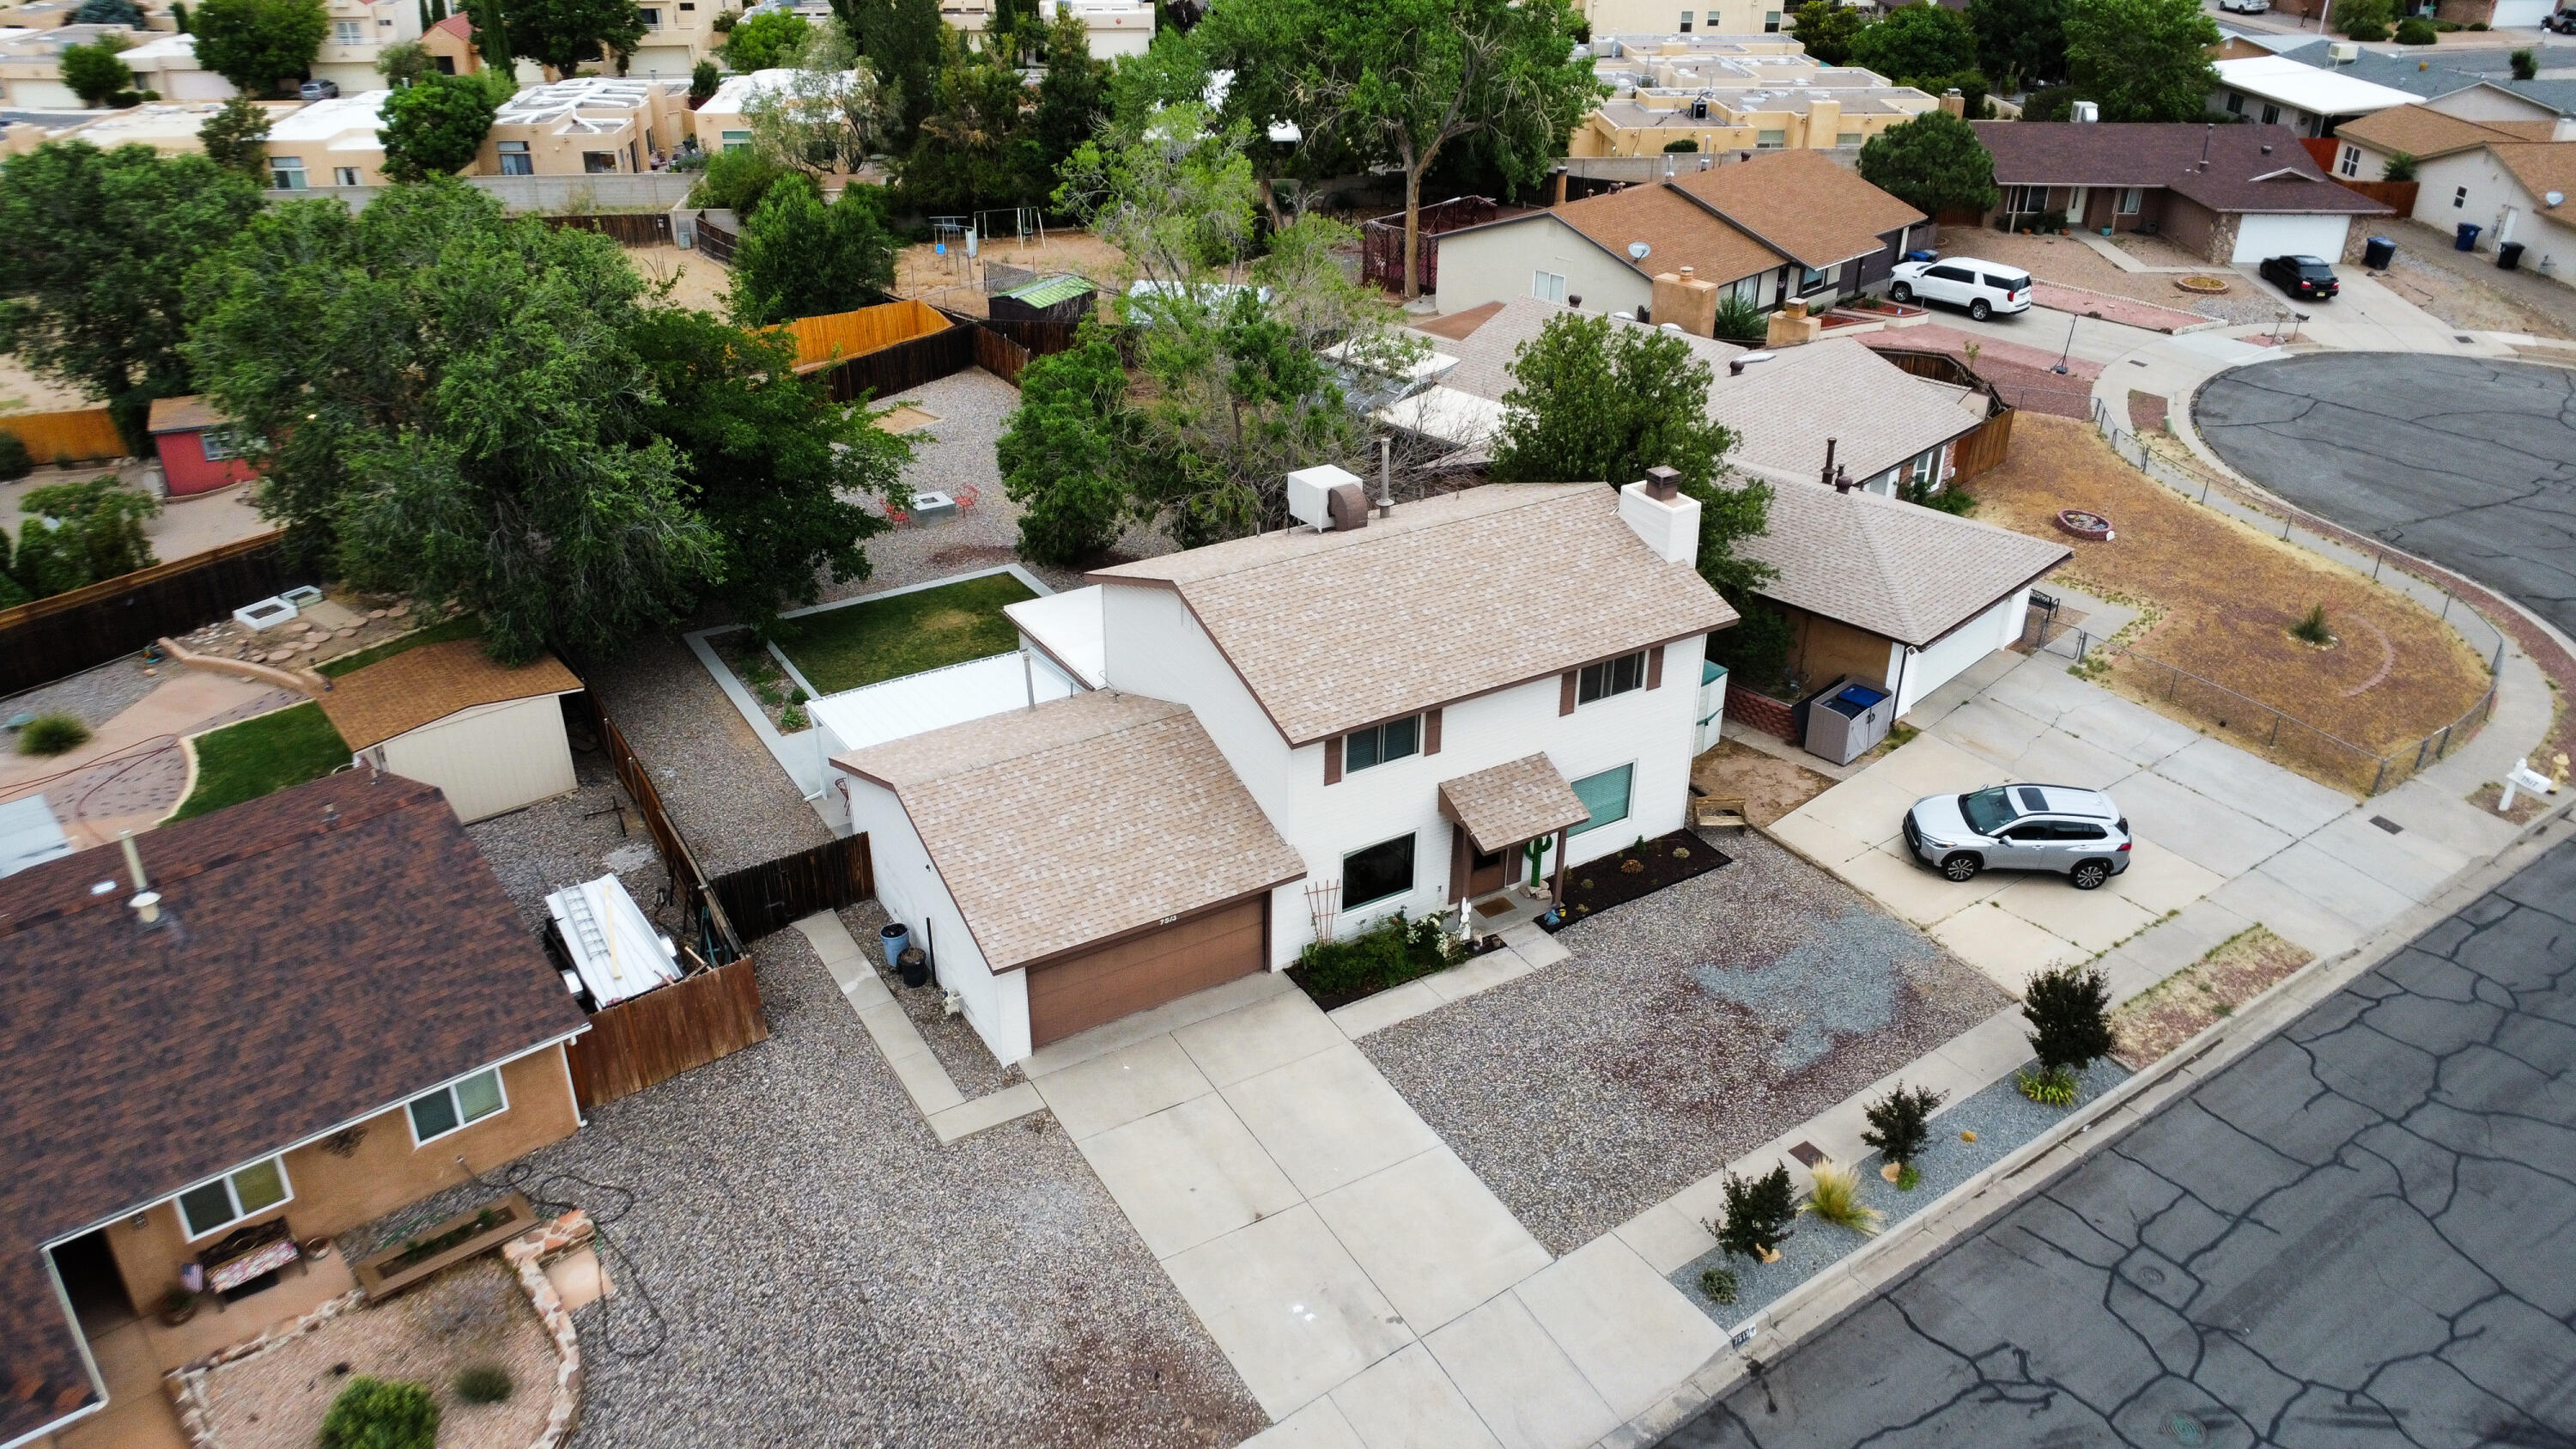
pixel 2141 60
pixel 491 27
pixel 236 138
pixel 76 534
pixel 829 113
pixel 93 249
pixel 802 258
pixel 95 74
pixel 977 147
pixel 1063 454
pixel 1933 163
pixel 1828 29
pixel 435 128
pixel 1918 43
pixel 2020 42
pixel 565 35
pixel 255 44
pixel 405 63
pixel 765 41
pixel 902 40
pixel 1073 97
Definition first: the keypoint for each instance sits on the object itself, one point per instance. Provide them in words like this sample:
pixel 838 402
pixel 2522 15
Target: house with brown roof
pixel 2229 193
pixel 283 1021
pixel 2510 179
pixel 491 736
pixel 1297 734
pixel 1778 226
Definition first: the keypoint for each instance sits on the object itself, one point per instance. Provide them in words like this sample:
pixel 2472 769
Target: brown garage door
pixel 1191 954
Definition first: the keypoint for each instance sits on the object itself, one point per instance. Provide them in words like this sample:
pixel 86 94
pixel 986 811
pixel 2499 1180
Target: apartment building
pixel 361 31
pixel 589 125
pixel 1734 93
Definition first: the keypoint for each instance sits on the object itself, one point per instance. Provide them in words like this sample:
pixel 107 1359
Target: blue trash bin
pixel 892 938
pixel 2468 241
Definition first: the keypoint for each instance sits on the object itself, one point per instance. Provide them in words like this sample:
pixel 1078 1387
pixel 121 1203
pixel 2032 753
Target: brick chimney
pixel 1665 517
pixel 1687 302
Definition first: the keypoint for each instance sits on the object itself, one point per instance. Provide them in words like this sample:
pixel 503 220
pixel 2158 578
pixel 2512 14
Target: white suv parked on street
pixel 1984 288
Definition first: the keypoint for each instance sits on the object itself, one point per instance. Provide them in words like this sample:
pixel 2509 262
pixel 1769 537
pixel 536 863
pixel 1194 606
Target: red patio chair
pixel 898 517
pixel 966 496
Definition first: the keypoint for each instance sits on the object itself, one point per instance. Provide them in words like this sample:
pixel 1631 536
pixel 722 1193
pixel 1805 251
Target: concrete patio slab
pixel 1293 1313
pixel 2059 758
pixel 1990 1048
pixel 1317 1426
pixel 1631 1333
pixel 1916 892
pixel 1483 973
pixel 2008 949
pixel 1535 946
pixel 1405 1401
pixel 1830 844
pixel 922 1075
pixel 982 1114
pixel 1432 1237
pixel 2095 920
pixel 1329 1120
pixel 1989 730
pixel 2410 862
pixel 1188 1174
pixel 1932 765
pixel 1522 1384
pixel 1253 1039
pixel 2201 927
pixel 1664 1238
pixel 2128 730
pixel 1161 1020
pixel 2273 795
pixel 2042 689
pixel 2436 809
pixel 1129 1083
pixel 1865 808
pixel 2288 911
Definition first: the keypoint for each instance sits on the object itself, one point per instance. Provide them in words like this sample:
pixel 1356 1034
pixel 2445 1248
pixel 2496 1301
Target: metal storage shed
pixel 1049 299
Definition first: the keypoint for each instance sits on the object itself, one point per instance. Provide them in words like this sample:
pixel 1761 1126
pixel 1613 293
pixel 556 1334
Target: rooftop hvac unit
pixel 1316 497
pixel 2342 52
pixel 2084 111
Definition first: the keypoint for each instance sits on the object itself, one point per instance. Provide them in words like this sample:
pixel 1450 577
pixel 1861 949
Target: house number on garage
pixel 1167 920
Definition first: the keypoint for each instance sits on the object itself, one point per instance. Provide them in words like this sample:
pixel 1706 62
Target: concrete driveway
pixel 1367 1286
pixel 2225 839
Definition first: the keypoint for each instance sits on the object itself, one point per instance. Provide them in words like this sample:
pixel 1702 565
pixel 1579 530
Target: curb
pixel 1824 1299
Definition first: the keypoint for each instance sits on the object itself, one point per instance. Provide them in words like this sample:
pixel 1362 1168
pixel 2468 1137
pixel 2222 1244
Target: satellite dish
pixel 1637 250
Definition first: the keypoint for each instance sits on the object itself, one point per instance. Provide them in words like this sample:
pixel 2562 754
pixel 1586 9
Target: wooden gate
pixel 664 1032
pixel 778 893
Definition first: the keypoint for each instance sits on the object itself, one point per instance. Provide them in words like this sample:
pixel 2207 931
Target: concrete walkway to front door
pixel 1369 1288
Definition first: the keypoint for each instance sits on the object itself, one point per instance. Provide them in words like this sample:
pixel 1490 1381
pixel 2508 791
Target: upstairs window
pixel 1686 20
pixel 1771 22
pixel 1378 744
pixel 1611 676
pixel 348 32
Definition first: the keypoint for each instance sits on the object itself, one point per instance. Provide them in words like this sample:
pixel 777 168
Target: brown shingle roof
pixel 1802 204
pixel 325 953
pixel 1514 801
pixel 1896 569
pixel 2241 175
pixel 1677 234
pixel 2419 131
pixel 1331 631
pixel 2542 167
pixel 1084 817
pixel 182 415
pixel 394 696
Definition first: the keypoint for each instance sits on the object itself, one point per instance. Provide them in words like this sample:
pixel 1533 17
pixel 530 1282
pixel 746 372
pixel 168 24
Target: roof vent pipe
pixel 1735 365
pixel 146 901
pixel 1385 477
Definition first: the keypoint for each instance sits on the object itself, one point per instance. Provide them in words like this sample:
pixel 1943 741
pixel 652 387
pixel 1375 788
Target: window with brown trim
pixel 1611 676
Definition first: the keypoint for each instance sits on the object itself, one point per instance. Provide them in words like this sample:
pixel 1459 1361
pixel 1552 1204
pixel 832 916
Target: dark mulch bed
pixel 1597 885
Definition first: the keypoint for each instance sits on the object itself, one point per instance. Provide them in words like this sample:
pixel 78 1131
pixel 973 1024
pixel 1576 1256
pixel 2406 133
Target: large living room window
pixel 212 1206
pixel 1604 797
pixel 1384 869
pixel 1378 744
pixel 435 1114
pixel 1611 676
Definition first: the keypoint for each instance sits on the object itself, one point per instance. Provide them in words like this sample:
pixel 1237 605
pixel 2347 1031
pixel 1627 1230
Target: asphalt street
pixel 2468 462
pixel 2361 1234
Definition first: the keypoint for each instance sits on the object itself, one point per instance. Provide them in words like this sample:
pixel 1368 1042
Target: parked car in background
pixel 2245 7
pixel 2564 22
pixel 2306 278
pixel 318 90
pixel 2073 832
pixel 1984 288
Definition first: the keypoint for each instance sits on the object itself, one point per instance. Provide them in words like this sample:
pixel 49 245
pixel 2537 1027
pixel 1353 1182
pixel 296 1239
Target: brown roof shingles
pixel 1511 802
pixel 182 415
pixel 1677 234
pixel 430 682
pixel 1896 569
pixel 2420 132
pixel 1802 204
pixel 1082 818
pixel 324 954
pixel 2248 168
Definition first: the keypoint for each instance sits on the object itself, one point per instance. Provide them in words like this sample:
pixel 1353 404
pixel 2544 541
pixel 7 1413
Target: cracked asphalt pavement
pixel 2466 461
pixel 2362 1233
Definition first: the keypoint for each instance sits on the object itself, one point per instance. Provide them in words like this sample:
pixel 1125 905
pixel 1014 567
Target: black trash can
pixel 2468 238
pixel 2379 253
pixel 914 965
pixel 2509 256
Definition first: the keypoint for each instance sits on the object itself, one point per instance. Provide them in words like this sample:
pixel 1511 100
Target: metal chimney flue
pixel 1664 484
pixel 1385 477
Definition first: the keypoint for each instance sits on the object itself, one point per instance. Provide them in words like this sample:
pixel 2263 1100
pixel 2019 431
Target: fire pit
pixel 2092 527
pixel 2202 285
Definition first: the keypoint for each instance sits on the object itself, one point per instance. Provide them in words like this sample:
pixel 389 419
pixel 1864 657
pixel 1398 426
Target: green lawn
pixel 261 756
pixel 845 648
pixel 463 626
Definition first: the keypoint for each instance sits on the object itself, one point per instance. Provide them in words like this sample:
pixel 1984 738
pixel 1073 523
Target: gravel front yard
pixel 1689 1028
pixel 2065 260
pixel 797 1261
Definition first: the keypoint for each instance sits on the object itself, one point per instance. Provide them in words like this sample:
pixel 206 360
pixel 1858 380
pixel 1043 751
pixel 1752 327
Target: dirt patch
pixel 2181 1006
pixel 2226 597
pixel 696 280
pixel 2527 807
pixel 21 391
pixel 955 283
pixel 1769 786
pixel 2070 262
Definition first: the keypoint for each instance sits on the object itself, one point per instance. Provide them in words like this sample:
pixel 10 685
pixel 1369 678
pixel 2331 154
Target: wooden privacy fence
pixel 1983 449
pixel 87 435
pixel 662 1033
pixel 627 229
pixel 1042 338
pixel 716 241
pixel 50 638
pixel 998 354
pixel 776 894
pixel 2398 196
pixel 1978 451
pixel 1382 240
pixel 823 341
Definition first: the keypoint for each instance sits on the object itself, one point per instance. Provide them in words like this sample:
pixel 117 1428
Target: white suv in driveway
pixel 1984 288
pixel 2074 832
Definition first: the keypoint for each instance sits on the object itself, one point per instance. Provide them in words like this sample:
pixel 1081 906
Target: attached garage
pixel 2289 234
pixel 490 736
pixel 1164 963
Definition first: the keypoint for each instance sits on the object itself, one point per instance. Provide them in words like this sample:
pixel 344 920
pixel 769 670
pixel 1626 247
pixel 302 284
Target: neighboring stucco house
pixel 335 142
pixel 2271 90
pixel 195 443
pixel 320 1008
pixel 589 125
pixel 2226 193
pixel 490 736
pixel 2510 179
pixel 361 31
pixel 1299 733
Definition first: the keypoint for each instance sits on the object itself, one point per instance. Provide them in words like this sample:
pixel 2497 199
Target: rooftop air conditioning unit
pixel 2084 111
pixel 1316 498
pixel 2342 52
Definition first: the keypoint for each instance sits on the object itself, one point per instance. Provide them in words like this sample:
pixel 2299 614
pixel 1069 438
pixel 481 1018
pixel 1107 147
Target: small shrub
pixel 15 461
pixel 1739 320
pixel 1837 1199
pixel 1908 1178
pixel 52 734
pixel 1389 953
pixel 483 1383
pixel 2416 30
pixel 374 1414
pixel 1900 1122
pixel 2526 64
pixel 2400 166
pixel 2311 628
pixel 2049 1086
pixel 1683 147
pixel 1758 1213
pixel 702 80
pixel 2070 1011
pixel 797 695
pixel 793 718
pixel 1719 1284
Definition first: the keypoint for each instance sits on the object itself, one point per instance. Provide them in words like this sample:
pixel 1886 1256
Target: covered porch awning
pixel 1512 802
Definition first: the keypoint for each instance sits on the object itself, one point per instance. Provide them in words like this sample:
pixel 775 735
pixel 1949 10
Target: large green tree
pixel 770 463
pixel 802 258
pixel 2020 43
pixel 449 402
pixel 95 74
pixel 828 114
pixel 902 40
pixel 256 44
pixel 491 28
pixel 1064 455
pixel 436 127
pixel 565 35
pixel 1828 29
pixel 1073 98
pixel 978 147
pixel 93 249
pixel 765 41
pixel 1596 399
pixel 76 534
pixel 1933 163
pixel 2141 60
pixel 236 138
pixel 1400 81
pixel 1913 44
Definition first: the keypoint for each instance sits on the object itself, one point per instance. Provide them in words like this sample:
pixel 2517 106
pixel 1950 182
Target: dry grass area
pixel 696 280
pixel 919 271
pixel 1769 786
pixel 2181 1006
pixel 21 391
pixel 2227 597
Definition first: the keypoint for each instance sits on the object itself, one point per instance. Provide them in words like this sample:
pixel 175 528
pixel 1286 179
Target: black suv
pixel 2307 278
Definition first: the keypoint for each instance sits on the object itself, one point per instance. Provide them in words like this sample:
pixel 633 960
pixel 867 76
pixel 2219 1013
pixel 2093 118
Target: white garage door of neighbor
pixel 2519 13
pixel 2260 236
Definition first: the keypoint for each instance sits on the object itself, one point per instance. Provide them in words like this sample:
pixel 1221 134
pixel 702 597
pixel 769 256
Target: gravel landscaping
pixel 93 697
pixel 570 839
pixel 729 798
pixel 1689 1027
pixel 797 1261
pixel 961 1053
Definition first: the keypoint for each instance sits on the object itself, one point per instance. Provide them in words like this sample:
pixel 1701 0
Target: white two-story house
pixel 1298 734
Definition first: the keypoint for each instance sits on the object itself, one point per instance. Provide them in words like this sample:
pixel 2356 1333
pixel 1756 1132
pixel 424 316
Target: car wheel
pixel 1900 293
pixel 1980 310
pixel 1961 867
pixel 2089 875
